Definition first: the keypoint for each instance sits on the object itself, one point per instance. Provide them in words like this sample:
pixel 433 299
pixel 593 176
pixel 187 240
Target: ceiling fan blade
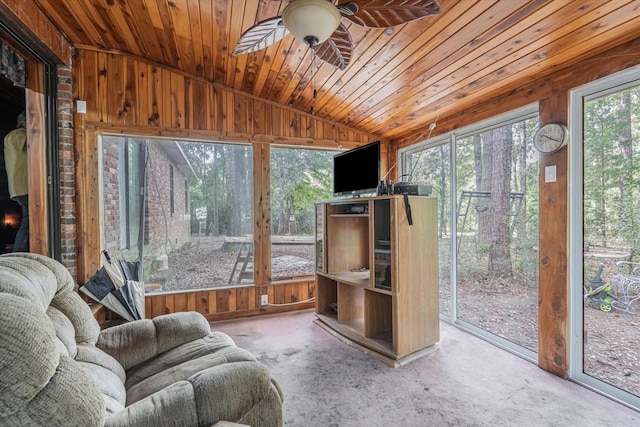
pixel 261 35
pixel 387 13
pixel 337 49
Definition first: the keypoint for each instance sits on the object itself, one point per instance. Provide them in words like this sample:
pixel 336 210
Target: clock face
pixel 551 137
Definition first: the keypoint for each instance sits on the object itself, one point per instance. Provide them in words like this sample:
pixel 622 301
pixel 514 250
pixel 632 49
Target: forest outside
pixel 611 238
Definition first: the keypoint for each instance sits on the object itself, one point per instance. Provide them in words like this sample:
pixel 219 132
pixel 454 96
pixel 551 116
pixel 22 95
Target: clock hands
pixel 553 139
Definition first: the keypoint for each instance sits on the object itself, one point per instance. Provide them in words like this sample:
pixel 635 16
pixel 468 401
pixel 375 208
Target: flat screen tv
pixel 357 171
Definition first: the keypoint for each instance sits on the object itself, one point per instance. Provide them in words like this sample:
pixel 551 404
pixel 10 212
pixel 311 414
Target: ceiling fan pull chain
pixel 313 78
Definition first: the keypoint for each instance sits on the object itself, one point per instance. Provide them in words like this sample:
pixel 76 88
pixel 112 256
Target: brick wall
pixel 164 230
pixel 66 169
pixel 111 193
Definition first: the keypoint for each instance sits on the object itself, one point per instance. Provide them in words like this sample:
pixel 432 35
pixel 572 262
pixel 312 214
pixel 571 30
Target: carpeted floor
pixel 467 382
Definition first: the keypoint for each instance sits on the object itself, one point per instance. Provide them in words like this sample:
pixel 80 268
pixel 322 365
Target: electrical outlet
pixel 264 300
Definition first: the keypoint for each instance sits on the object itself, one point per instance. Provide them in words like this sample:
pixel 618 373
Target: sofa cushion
pixel 29 354
pixel 181 363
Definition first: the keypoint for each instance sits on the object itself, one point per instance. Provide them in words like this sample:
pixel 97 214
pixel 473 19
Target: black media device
pixel 357 171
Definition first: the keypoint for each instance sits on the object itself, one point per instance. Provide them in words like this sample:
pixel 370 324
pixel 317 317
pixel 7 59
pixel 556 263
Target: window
pixel 205 246
pixel 299 178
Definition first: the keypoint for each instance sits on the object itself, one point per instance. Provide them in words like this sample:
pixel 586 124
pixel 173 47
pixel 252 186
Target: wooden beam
pixel 37 159
pixel 553 283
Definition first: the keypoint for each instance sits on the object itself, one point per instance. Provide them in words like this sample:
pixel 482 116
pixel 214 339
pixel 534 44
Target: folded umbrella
pixel 115 285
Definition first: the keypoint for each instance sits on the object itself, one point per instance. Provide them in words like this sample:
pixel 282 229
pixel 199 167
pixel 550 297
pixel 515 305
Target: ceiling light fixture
pixel 311 21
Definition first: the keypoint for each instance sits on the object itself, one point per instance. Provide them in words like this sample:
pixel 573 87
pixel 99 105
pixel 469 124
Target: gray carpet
pixel 467 382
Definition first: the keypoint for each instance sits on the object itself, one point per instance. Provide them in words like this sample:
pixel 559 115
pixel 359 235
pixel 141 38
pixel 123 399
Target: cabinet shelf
pixel 390 309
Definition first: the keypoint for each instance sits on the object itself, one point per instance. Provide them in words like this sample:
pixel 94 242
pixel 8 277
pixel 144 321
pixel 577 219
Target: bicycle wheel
pixel 625 307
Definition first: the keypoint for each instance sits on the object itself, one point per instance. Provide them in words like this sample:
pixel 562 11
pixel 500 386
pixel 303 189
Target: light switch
pixel 550 173
pixel 81 106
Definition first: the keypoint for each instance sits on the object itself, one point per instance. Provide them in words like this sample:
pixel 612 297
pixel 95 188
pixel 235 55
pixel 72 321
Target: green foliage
pixel 611 172
pixel 299 179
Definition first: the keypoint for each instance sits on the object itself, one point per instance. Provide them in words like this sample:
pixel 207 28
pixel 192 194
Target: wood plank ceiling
pixel 398 79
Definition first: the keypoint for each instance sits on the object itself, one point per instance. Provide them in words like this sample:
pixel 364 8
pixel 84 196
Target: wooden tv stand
pixel 377 275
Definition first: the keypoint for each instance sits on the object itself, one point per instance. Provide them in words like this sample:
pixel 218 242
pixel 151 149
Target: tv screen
pixel 357 171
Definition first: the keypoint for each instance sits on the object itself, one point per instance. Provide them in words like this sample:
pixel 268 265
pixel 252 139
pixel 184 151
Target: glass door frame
pixel 452 138
pixel 605 86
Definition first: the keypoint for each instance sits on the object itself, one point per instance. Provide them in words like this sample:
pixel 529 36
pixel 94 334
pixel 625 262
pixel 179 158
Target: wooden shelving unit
pixel 377 274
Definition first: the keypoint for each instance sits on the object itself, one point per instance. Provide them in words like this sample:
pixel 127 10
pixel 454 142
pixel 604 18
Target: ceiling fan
pixel 318 24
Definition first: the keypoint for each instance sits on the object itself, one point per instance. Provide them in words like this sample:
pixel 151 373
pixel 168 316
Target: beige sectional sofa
pixel 59 368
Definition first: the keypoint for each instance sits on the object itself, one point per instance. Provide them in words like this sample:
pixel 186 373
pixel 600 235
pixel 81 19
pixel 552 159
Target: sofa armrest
pixel 237 392
pixel 135 342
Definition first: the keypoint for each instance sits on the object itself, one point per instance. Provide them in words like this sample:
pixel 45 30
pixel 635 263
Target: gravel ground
pixel 206 262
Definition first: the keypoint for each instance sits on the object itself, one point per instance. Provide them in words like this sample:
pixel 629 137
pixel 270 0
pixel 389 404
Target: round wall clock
pixel 551 137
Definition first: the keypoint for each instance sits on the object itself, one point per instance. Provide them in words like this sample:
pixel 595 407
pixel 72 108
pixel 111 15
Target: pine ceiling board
pixel 440 56
pixel 437 33
pixel 459 55
pixel 248 20
pixel 109 17
pixel 196 37
pixel 330 88
pixel 161 36
pixel 442 32
pixel 181 26
pixel 171 59
pixel 296 56
pixel 235 30
pixel 75 15
pixel 221 38
pixel 558 54
pixel 473 75
pixel 66 22
pixel 139 20
pixel 300 88
pixel 262 60
pixel 208 43
pixel 276 73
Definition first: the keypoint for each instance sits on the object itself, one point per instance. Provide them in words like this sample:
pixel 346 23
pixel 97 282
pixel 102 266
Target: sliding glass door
pixel 486 181
pixel 606 241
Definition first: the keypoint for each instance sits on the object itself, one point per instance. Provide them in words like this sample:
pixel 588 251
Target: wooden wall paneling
pixel 240 119
pixel 242 302
pixel 261 211
pixel 202 302
pixel 177 101
pixel 37 159
pixel 155 93
pixel 199 106
pixel 130 103
pixel 279 295
pixel 212 302
pixel 232 296
pixel 158 306
pixel 169 304
pixel 181 302
pixel 142 106
pixel 166 99
pixel 115 89
pixel 258 118
pixel 88 215
pixel 191 301
pixel 101 92
pixel 222 300
pixel 553 286
pixel 86 88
